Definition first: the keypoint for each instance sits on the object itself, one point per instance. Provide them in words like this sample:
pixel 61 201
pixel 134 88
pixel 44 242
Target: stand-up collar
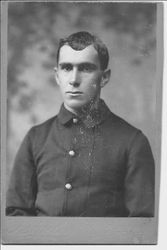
pixel 90 119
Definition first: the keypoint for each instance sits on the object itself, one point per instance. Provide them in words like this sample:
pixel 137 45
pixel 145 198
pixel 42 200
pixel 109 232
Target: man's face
pixel 79 76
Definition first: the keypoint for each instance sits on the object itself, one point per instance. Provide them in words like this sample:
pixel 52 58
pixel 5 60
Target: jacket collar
pixel 90 119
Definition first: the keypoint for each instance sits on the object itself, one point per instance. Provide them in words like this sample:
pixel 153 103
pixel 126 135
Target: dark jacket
pixel 97 165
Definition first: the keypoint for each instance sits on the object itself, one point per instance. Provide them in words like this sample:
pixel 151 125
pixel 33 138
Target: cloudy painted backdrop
pixel 129 31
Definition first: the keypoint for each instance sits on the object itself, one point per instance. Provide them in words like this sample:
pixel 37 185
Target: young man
pixel 86 161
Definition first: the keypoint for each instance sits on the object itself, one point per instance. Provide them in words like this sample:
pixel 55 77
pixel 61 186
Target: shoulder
pixel 39 132
pixel 44 125
pixel 121 125
pixel 125 133
pixel 115 125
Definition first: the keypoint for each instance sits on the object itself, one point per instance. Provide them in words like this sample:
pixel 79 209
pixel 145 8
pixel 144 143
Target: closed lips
pixel 74 92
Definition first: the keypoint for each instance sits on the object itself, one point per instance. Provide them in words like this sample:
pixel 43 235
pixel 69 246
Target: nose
pixel 74 80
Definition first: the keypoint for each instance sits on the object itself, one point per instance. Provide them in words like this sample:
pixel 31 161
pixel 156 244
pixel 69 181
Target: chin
pixel 76 105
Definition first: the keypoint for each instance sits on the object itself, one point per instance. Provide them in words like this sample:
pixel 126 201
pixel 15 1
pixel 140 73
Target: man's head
pixel 81 72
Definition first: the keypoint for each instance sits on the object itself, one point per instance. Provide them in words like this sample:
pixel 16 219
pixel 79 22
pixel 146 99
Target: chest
pixel 82 155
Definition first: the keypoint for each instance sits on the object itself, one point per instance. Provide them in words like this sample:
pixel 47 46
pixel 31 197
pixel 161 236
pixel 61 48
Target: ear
pixel 56 75
pixel 105 77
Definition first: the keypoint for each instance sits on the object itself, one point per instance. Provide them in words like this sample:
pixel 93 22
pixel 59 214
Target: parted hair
pixel 80 40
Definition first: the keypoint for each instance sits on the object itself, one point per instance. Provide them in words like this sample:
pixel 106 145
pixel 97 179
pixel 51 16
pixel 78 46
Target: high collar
pixel 90 119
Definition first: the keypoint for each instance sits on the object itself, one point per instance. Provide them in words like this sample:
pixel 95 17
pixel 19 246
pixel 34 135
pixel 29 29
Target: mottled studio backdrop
pixel 129 31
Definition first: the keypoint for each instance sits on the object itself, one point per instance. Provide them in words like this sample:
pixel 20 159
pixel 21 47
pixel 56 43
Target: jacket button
pixel 68 186
pixel 75 120
pixel 71 153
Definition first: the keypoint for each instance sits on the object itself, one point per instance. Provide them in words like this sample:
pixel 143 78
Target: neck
pixel 90 107
pixel 86 109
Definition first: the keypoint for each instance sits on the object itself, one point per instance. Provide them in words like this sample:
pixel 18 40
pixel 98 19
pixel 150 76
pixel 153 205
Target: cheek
pixel 62 87
pixel 94 81
pixel 92 90
pixel 62 79
pixel 62 83
pixel 95 86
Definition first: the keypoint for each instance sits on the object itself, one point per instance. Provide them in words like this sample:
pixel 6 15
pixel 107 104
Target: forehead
pixel 69 55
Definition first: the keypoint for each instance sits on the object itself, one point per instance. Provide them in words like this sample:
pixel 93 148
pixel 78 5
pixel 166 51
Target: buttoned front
pixel 71 153
pixel 68 186
pixel 75 120
pixel 97 166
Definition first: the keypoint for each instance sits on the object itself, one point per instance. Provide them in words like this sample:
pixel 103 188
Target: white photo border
pixel 74 230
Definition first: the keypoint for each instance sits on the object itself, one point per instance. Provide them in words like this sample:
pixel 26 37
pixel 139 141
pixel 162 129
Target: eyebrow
pixel 91 65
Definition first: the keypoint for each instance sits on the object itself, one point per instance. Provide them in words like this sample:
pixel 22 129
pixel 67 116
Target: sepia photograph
pixel 82 87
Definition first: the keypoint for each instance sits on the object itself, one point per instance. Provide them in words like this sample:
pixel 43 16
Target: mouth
pixel 74 93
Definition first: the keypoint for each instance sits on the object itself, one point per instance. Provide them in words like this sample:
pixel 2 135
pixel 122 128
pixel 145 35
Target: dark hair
pixel 82 39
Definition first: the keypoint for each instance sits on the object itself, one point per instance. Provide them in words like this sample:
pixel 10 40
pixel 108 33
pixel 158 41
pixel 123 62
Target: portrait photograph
pixel 81 108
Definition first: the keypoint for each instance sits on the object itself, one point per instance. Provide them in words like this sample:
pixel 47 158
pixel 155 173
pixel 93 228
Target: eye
pixel 66 67
pixel 87 67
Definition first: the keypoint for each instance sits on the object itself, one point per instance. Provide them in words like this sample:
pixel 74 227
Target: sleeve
pixel 140 178
pixel 21 194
